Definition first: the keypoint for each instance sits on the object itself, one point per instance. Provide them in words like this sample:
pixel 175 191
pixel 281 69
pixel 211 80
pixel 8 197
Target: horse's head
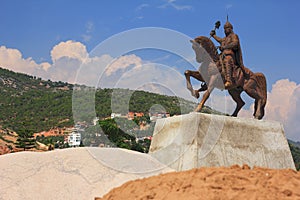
pixel 205 49
pixel 199 51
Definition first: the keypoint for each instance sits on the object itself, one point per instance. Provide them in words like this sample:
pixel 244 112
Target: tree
pixel 296 155
pixel 25 139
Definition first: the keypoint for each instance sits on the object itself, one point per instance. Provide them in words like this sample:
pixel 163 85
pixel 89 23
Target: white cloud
pixel 122 63
pixel 70 63
pixel 139 11
pixel 45 65
pixel 152 77
pixel 171 3
pixel 279 98
pixel 292 125
pixel 87 36
pixel 13 59
pixel 70 49
pixel 283 105
pixel 88 71
pixel 91 72
pixel 89 27
pixel 64 69
pixel 142 6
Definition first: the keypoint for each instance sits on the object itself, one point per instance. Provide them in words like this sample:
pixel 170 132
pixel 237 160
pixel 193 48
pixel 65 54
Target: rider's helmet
pixel 228 25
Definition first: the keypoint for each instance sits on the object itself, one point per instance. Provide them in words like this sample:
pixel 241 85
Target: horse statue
pixel 211 73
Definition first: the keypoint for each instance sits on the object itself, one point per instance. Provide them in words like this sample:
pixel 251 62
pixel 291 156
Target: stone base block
pixel 196 140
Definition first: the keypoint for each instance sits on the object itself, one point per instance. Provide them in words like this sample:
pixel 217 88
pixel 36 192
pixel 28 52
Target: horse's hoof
pixel 258 118
pixel 197 110
pixel 196 94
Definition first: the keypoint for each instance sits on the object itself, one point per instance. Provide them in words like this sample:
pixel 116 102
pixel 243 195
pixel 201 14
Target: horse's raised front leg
pixel 236 96
pixel 206 95
pixel 195 74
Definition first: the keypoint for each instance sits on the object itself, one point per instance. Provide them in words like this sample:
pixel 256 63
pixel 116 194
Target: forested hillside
pixel 30 102
pixel 35 104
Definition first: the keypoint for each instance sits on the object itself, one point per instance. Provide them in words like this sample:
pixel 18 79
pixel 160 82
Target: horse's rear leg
pixel 251 90
pixel 257 112
pixel 236 96
pixel 261 108
pixel 255 106
pixel 195 74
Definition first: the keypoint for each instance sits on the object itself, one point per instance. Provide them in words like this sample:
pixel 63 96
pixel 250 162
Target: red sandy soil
pixel 12 138
pixel 213 183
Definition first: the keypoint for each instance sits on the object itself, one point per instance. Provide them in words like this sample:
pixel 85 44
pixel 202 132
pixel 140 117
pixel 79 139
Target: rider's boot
pixel 228 82
pixel 203 87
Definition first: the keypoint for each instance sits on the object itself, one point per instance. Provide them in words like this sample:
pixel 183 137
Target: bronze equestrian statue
pixel 226 71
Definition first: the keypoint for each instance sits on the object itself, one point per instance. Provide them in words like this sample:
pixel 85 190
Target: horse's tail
pixel 262 84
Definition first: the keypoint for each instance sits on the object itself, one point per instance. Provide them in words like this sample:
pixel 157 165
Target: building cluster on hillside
pixel 143 138
pixel 129 115
pixel 156 116
pixel 53 132
pixel 132 115
pixel 72 135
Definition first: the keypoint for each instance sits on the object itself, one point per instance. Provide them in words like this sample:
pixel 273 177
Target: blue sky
pixel 267 29
pixel 36 35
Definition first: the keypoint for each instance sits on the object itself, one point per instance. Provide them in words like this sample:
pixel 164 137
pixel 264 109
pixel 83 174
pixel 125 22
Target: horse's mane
pixel 209 46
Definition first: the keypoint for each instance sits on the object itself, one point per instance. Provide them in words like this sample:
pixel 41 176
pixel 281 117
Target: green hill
pixel 295 144
pixel 38 105
pixel 30 102
pixel 295 150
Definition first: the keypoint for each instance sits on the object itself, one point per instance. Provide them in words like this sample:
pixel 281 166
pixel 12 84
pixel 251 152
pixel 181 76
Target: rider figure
pixel 231 51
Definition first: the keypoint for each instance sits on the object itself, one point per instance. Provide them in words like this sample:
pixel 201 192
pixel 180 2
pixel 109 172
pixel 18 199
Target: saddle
pixel 237 72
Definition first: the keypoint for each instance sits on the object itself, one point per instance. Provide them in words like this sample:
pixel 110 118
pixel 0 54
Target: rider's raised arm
pixel 218 39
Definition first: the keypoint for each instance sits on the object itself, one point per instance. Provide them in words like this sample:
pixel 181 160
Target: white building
pixel 114 115
pixel 95 121
pixel 74 139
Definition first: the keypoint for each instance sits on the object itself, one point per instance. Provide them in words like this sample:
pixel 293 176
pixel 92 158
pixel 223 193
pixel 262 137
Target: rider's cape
pixel 238 55
pixel 239 59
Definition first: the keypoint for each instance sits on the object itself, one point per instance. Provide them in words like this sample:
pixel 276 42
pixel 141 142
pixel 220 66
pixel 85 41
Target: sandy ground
pixel 213 183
